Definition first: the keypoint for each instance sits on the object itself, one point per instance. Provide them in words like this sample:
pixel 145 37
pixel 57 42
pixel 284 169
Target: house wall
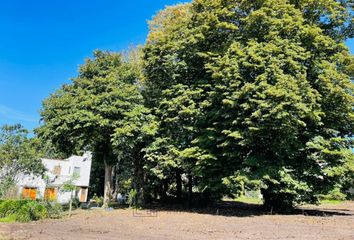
pixel 84 163
pixel 53 180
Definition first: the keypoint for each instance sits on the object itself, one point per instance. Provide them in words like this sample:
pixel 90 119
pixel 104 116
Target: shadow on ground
pixel 241 209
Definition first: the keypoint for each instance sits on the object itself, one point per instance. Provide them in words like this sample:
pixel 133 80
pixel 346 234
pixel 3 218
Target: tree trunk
pixel 164 189
pixel 139 179
pixel 273 199
pixel 141 199
pixel 71 203
pixel 190 190
pixel 178 185
pixel 116 183
pixel 107 184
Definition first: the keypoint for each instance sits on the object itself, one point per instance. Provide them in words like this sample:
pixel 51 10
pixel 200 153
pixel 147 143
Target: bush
pixel 28 210
pixel 97 200
pixel 76 203
pixel 9 207
pixel 31 211
pixel 335 194
pixel 54 209
pixel 8 219
pixel 132 198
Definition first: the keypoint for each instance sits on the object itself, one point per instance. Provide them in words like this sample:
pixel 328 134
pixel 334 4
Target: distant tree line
pixel 224 94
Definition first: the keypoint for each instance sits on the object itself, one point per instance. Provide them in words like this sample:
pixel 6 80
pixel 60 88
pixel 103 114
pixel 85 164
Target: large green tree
pixel 261 88
pixel 102 111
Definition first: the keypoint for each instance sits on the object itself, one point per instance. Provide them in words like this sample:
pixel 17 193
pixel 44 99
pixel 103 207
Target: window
pixel 77 171
pixel 29 193
pixel 57 170
pixel 50 194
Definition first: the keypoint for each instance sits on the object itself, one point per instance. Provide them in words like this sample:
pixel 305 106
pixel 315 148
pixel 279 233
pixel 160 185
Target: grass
pixel 327 201
pixel 8 219
pixel 251 200
pixel 245 199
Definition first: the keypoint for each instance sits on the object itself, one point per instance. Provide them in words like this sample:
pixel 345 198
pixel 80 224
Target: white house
pixel 58 172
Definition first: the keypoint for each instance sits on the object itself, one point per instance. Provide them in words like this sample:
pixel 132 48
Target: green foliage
pixel 102 106
pixel 27 210
pixel 76 203
pixel 265 90
pixel 98 200
pixel 335 194
pixel 225 96
pixel 32 211
pixel 54 209
pixel 102 110
pixel 49 150
pixel 237 184
pixel 132 198
pixel 69 185
pixel 8 219
pixel 19 154
pixel 9 207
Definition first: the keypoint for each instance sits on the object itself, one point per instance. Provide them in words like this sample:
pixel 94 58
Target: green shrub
pixel 32 211
pixel 54 209
pixel 132 198
pixel 9 207
pixel 23 215
pixel 98 200
pixel 28 210
pixel 8 219
pixel 76 203
pixel 335 194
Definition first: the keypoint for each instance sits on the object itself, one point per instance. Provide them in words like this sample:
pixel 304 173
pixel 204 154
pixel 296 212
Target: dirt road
pixel 324 222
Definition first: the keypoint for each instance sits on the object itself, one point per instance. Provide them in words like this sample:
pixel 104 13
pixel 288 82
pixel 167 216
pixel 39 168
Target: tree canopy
pixel 223 94
pixel 101 110
pixel 260 89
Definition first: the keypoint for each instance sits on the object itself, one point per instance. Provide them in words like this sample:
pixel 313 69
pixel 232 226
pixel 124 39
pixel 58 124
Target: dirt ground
pixel 243 221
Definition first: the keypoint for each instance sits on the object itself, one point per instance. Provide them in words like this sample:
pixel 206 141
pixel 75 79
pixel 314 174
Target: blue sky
pixel 42 42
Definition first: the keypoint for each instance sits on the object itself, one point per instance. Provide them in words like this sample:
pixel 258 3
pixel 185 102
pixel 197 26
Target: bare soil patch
pixel 243 221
